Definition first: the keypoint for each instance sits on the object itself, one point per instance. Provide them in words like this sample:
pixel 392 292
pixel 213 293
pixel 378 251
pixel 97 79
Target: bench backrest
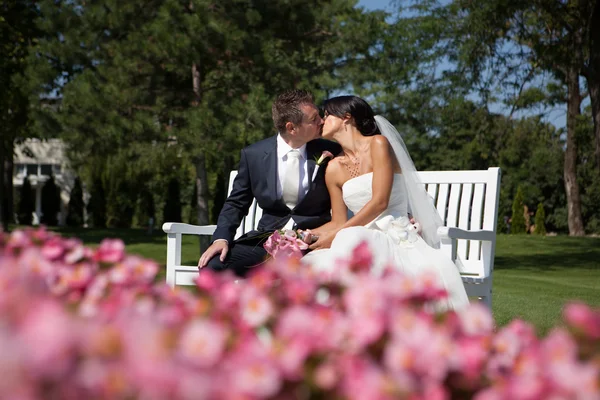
pixel 467 200
pixel 464 199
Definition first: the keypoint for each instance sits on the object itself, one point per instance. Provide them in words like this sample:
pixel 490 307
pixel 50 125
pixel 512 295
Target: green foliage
pixel 97 203
pixel 145 209
pixel 26 203
pixel 540 220
pixel 517 225
pixel 76 205
pixel 172 209
pixel 50 203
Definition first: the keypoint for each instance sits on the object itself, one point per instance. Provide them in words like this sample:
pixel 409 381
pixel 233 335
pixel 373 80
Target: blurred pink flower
pixel 53 248
pixel 476 320
pixel 202 343
pixel 362 258
pixel 110 251
pixel 583 318
pixel 76 254
pixel 256 307
pixel 47 333
pixel 326 375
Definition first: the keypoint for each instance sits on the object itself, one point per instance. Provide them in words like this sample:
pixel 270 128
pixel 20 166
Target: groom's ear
pixel 289 127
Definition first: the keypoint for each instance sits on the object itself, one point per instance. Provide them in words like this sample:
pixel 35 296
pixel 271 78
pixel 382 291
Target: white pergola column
pixel 38 204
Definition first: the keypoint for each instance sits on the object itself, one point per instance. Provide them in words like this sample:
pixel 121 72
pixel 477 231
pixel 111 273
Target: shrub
pixel 540 220
pixel 50 203
pixel 26 203
pixel 517 225
pixel 76 205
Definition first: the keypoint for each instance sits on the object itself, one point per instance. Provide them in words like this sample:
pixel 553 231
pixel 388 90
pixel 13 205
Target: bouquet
pixel 286 243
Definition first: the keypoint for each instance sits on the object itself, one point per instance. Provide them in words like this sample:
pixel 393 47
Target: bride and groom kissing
pixel 372 175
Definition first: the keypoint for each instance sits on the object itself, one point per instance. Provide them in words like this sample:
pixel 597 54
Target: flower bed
pixel 78 323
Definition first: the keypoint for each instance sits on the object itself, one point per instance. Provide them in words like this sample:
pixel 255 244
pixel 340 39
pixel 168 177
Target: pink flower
pixel 202 343
pixel 326 376
pixel 110 251
pixel 75 254
pixel 251 371
pixel 47 333
pixel 362 258
pixel 256 308
pixel 469 357
pixel 291 356
pixel 476 320
pixel 31 259
pixel 583 318
pixel 53 249
pixel 256 378
pixel 290 234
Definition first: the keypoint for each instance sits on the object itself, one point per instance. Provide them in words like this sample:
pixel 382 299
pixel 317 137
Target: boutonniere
pixel 324 156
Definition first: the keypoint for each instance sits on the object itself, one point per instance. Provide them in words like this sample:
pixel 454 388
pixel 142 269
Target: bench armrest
pixel 187 229
pixel 445 232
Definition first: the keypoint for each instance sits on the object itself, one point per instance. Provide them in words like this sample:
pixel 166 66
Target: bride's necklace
pixel 353 166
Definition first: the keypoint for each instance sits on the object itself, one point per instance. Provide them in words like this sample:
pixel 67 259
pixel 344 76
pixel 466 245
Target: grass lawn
pixel 533 277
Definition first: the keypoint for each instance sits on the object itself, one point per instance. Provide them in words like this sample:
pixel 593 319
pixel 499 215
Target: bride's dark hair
pixel 360 110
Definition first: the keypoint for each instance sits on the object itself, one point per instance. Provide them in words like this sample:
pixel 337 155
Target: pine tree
pixel 97 204
pixel 50 203
pixel 540 220
pixel 26 203
pixel 75 207
pixel 517 225
pixel 172 209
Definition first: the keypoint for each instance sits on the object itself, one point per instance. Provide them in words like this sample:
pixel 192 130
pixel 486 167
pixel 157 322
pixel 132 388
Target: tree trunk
pixel 9 167
pixel 3 222
pixel 594 88
pixel 200 162
pixel 201 199
pixel 593 76
pixel 570 167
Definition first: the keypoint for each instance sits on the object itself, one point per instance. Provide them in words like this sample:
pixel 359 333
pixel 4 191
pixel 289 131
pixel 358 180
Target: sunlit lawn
pixel 533 277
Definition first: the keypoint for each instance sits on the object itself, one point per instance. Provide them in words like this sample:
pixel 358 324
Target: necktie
pixel 291 182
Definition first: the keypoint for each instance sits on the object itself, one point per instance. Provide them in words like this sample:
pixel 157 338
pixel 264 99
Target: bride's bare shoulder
pixel 335 171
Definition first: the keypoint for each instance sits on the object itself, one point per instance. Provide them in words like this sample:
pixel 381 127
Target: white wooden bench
pixel 466 200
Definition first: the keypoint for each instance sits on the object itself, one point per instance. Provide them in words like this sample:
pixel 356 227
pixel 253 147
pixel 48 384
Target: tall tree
pixel 18 32
pixel 26 203
pixel 502 47
pixel 76 205
pixel 187 74
pixel 50 203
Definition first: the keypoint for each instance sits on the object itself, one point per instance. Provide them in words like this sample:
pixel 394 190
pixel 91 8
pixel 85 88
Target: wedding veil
pixel 419 202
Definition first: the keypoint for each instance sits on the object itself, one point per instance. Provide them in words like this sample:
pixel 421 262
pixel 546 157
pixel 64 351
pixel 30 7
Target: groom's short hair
pixel 286 108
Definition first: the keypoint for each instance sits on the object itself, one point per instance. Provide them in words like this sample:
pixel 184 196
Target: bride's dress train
pixel 390 240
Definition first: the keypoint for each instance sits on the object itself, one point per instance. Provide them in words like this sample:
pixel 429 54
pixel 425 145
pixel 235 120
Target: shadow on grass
pixel 547 253
pixel 129 236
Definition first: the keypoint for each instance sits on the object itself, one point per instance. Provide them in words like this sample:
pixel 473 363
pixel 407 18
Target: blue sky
pixel 374 4
pixel 556 116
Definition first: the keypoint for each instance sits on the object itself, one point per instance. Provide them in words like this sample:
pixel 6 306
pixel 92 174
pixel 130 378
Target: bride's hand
pixel 324 241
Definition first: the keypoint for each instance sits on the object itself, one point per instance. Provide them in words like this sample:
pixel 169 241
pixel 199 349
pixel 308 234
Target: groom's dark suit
pixel 258 178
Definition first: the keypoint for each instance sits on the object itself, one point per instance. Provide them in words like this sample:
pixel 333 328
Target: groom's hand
pixel 218 247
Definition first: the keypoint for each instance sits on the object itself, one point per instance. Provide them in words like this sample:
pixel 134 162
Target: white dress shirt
pixel 282 150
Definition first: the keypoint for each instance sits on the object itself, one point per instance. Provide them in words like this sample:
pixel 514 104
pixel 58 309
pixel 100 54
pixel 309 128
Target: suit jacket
pixel 257 178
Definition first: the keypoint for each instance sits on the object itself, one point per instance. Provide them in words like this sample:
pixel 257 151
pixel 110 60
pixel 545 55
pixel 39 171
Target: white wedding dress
pixel 392 240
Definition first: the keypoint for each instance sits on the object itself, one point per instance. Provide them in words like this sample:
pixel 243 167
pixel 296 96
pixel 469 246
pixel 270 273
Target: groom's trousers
pixel 241 258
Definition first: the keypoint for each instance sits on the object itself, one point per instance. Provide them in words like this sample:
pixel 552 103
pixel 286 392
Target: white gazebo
pixel 38 160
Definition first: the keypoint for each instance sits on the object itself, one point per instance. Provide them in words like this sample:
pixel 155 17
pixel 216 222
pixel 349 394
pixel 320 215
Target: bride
pixel 375 178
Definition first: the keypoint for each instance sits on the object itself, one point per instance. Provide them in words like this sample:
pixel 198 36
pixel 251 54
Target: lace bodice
pixel 358 191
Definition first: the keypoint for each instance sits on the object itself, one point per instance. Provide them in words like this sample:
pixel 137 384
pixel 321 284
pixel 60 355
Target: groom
pixel 277 172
